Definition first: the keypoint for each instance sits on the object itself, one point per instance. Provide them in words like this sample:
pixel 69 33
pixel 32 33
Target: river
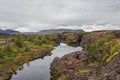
pixel 40 69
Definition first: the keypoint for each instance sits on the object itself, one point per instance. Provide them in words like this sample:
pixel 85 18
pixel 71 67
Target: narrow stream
pixel 39 69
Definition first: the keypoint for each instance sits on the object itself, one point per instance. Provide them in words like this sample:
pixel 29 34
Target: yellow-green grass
pixel 63 77
pixel 77 72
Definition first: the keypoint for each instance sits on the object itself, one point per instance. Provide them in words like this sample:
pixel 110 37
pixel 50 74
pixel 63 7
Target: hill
pixel 8 31
pixel 52 31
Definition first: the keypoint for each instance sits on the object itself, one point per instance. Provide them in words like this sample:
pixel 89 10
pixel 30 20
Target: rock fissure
pixel 100 59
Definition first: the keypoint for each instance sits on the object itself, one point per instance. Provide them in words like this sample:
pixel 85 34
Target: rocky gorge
pixel 99 60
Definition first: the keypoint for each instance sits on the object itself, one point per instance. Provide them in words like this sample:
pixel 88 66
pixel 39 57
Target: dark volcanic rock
pixel 117 33
pixel 82 66
pixel 76 66
pixel 68 63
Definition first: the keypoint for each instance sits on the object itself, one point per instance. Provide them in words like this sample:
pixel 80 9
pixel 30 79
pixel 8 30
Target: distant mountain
pixel 29 33
pixel 8 31
pixel 52 31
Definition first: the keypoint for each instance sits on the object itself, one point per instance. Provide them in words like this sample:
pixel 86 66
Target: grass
pixel 92 64
pixel 24 44
pixel 85 71
pixel 77 72
pixel 111 49
pixel 112 56
pixel 94 78
pixel 63 77
pixel 93 48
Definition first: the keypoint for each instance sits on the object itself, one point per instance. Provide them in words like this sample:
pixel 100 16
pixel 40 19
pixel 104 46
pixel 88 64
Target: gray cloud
pixel 35 15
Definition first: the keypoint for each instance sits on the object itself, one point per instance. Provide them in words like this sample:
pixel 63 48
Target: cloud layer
pixel 35 15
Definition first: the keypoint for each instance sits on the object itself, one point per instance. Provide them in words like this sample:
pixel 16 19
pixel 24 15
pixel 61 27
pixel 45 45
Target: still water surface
pixel 40 69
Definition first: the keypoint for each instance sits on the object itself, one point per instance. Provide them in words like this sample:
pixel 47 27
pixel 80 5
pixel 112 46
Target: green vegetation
pixel 24 44
pixel 23 49
pixel 94 78
pixel 77 72
pixel 63 77
pixel 93 49
pixel 58 73
pixel 111 49
pixel 102 47
pixel 85 71
pixel 19 41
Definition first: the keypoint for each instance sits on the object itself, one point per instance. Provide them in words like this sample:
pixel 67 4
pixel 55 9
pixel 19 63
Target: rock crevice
pixel 100 59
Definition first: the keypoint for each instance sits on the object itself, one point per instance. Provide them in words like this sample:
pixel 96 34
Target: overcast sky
pixel 35 15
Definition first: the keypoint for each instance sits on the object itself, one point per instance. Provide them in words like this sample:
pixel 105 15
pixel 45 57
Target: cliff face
pixel 99 61
pixel 72 39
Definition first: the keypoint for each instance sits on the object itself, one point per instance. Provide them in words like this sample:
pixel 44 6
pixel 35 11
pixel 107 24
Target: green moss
pixel 77 72
pixel 63 77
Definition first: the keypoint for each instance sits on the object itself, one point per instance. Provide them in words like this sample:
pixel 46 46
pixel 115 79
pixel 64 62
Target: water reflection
pixel 28 64
pixel 21 67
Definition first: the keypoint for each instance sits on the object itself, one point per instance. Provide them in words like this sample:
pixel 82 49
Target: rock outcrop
pixel 72 39
pixel 68 63
pixel 76 66
pixel 116 33
pixel 100 59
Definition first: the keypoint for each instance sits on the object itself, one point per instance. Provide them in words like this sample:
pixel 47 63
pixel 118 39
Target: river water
pixel 40 69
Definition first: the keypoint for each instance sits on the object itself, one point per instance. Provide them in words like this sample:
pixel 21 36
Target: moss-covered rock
pixel 103 61
pixel 73 39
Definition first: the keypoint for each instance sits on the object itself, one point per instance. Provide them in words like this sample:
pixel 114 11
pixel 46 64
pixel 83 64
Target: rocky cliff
pixel 72 38
pixel 100 59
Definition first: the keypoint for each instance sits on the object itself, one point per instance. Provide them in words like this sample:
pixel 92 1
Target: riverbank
pixel 100 59
pixel 39 69
pixel 25 49
pixel 10 67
